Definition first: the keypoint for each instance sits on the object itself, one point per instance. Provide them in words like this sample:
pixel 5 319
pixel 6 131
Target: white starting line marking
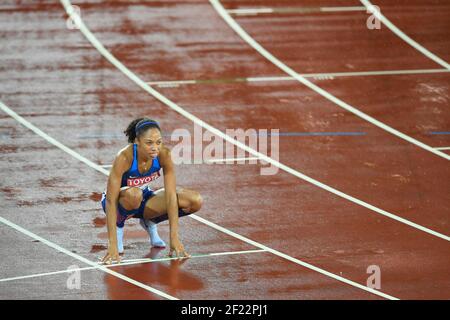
pixel 403 36
pixel 266 54
pixel 87 261
pixel 256 11
pixel 317 76
pixel 443 148
pixel 130 262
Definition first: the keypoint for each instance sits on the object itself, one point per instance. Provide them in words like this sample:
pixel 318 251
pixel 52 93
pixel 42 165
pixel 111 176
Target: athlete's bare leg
pixel 189 201
pixel 131 198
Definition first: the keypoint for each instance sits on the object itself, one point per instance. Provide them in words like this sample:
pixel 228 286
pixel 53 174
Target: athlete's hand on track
pixel 111 256
pixel 177 247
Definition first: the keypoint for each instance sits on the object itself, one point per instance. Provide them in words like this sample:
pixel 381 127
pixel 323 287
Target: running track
pixel 55 79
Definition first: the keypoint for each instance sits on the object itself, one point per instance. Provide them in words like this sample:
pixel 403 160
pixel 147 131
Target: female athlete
pixel 128 193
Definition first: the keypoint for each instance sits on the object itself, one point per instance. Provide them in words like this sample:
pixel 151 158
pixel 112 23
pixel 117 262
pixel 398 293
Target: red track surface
pixel 55 79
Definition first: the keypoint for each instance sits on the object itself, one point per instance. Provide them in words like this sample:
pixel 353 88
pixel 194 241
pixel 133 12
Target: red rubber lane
pixel 331 42
pixel 416 105
pixel 62 85
pixel 424 21
pixel 195 48
pixel 35 255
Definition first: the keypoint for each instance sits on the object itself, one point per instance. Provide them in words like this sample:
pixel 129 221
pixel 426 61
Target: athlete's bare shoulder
pixel 124 158
pixel 164 155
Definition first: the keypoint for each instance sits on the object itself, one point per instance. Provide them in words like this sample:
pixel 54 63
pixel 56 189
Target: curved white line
pixel 247 38
pixel 403 36
pixel 87 33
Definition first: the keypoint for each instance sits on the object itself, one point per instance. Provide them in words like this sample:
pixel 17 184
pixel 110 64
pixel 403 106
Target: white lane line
pixel 208 161
pixel 169 84
pixel 82 259
pixel 443 148
pixel 230 159
pixel 341 9
pixel 375 73
pixel 250 11
pixel 130 262
pixel 132 76
pixel 213 225
pixel 256 11
pixel 246 37
pixel 403 36
pixel 319 76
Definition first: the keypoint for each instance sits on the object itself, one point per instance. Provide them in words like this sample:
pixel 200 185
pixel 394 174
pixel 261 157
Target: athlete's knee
pixel 133 197
pixel 196 201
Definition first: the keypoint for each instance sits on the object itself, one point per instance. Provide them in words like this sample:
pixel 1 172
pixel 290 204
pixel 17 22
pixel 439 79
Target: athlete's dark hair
pixel 138 126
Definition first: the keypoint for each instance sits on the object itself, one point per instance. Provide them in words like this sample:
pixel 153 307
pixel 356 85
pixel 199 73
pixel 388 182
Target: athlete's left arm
pixel 170 188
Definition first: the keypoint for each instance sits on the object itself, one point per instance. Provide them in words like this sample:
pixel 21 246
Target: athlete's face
pixel 150 142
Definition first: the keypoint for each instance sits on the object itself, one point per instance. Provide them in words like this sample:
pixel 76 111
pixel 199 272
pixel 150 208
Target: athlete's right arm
pixel 119 167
